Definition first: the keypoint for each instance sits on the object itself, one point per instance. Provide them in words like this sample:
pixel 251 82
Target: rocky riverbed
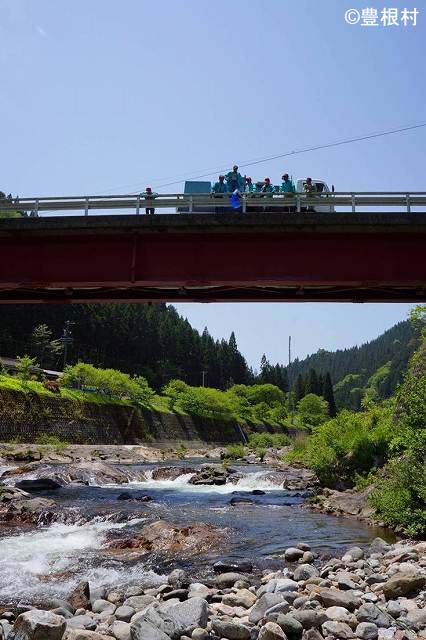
pixel 100 545
pixel 375 592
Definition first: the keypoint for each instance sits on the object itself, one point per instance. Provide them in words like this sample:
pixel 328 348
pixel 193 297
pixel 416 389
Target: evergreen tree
pixel 311 383
pixel 299 390
pixel 328 394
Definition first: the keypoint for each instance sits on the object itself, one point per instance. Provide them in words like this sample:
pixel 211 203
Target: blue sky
pixel 107 96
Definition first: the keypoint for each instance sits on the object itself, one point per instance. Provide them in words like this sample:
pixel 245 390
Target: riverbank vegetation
pixel 384 445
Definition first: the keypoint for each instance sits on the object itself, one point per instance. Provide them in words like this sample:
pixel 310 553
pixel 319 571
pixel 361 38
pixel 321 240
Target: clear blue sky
pixel 107 96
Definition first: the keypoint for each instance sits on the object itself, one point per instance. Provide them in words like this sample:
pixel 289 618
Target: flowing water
pixel 50 561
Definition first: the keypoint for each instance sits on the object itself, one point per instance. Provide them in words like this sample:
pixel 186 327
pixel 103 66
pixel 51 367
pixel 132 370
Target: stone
pixel 227 628
pixel 291 627
pixel 356 552
pixel 402 583
pixel 39 484
pixel 243 598
pixel 394 608
pixel 271 631
pixel 307 557
pixel 200 634
pixel 228 579
pixel 417 618
pixel 337 629
pixel 139 603
pixel 121 630
pixel 292 554
pixel 309 619
pixel 305 571
pixel 178 579
pixel 339 614
pixel 101 606
pixel 61 611
pixel 285 584
pixel 197 589
pixel 312 634
pixel 142 630
pixel 368 612
pixel 281 607
pixel 124 613
pixel 335 597
pixel 379 546
pixel 37 624
pixel 80 596
pixel 81 622
pixel 264 603
pixel 192 613
pixel 237 566
pixel 81 634
pixel 300 602
pixel 367 631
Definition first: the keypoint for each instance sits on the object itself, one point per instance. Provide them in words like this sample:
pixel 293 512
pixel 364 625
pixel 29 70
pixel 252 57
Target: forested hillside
pixel 372 370
pixel 156 342
pixel 149 340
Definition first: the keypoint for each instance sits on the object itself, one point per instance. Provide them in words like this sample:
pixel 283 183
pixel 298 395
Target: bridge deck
pixel 214 257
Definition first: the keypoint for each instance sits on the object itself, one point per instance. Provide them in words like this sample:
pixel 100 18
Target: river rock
pixel 339 614
pixel 417 618
pixel 242 598
pixel 39 484
pixel 143 630
pixel 192 613
pixel 291 627
pixel 337 630
pixel 402 583
pixel 305 571
pixel 37 625
pixel 336 598
pixel 285 584
pixel 228 579
pixel 368 612
pixel 81 622
pixel 200 634
pixel 81 634
pixel 227 628
pixel 210 475
pixel 139 603
pixel 238 566
pixel 103 606
pixel 124 614
pixel 367 631
pixel 80 596
pixel 197 589
pixel 264 603
pixel 178 579
pixel 292 554
pixel 309 618
pixel 271 631
pixel 120 630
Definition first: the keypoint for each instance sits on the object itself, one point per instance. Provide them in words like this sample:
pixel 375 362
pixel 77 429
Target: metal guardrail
pixel 212 203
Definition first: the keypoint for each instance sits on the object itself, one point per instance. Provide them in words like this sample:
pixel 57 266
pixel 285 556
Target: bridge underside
pixel 214 258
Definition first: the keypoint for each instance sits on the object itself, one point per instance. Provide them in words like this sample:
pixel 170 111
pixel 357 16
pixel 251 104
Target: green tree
pixel 328 395
pixel 311 383
pixel 26 367
pixel 299 390
pixel 44 345
pixel 313 410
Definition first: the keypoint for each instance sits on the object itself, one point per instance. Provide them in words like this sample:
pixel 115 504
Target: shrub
pixel 266 440
pixel 235 451
pixel 25 367
pixel 52 385
pixel 107 381
pixel 54 441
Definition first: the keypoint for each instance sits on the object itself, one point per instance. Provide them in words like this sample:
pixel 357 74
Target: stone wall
pixel 26 416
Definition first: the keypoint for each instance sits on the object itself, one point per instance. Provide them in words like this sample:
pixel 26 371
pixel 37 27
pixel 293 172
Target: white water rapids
pixel 27 558
pixel 257 480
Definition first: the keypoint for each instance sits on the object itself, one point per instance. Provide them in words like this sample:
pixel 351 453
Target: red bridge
pixel 220 257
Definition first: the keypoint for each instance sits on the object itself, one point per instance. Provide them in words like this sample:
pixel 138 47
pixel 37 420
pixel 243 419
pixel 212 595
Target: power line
pixel 250 163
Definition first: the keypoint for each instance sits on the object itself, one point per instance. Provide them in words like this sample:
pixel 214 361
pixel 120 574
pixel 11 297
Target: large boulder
pixel 402 583
pixel 264 603
pixel 38 625
pixel 162 536
pixel 271 631
pixel 174 621
pixel 80 596
pixel 39 484
pixel 228 628
pixel 210 475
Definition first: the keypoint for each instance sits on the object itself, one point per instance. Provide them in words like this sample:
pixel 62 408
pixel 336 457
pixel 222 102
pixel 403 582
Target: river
pixel 49 561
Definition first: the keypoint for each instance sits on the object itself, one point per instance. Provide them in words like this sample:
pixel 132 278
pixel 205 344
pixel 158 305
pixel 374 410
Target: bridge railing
pixel 213 203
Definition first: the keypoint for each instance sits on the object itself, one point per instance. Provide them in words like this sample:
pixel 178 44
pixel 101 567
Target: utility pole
pixel 66 339
pixel 203 374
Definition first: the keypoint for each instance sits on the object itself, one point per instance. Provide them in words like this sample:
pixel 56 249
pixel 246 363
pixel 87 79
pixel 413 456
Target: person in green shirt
pixel 287 185
pixel 220 186
pixel 235 180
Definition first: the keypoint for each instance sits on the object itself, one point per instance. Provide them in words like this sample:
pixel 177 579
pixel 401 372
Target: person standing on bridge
pixel 288 188
pixel 310 190
pixel 235 180
pixel 220 186
pixel 267 186
pixel 149 194
pixel 249 187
